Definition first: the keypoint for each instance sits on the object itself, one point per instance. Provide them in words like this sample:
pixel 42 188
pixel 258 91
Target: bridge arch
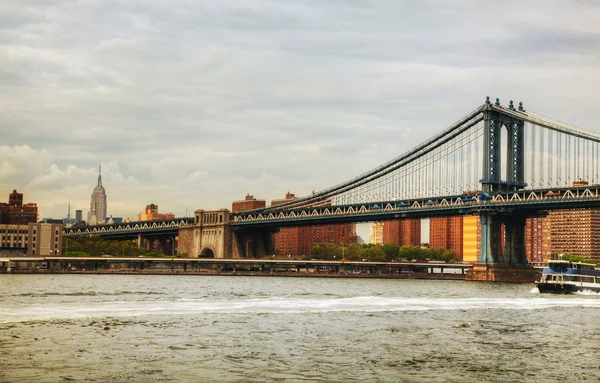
pixel 207 252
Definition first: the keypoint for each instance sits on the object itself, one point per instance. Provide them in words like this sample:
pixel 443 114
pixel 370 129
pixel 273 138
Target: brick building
pixel 248 203
pixel 576 232
pixel 403 232
pixel 151 214
pixel 447 233
pixel 298 240
pixel 15 212
pixel 538 242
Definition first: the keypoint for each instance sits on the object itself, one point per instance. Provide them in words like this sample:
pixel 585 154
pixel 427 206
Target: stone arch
pixel 207 252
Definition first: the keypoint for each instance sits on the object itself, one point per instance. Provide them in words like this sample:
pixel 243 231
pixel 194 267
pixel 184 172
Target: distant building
pixel 151 214
pixel 42 239
pixel 52 220
pixel 447 233
pixel 299 240
pixel 376 235
pixel 15 212
pixel 78 216
pixel 248 203
pixel 98 204
pixel 116 220
pixel 402 232
pixel 538 241
pixel 292 240
pixel 576 232
pixel 471 242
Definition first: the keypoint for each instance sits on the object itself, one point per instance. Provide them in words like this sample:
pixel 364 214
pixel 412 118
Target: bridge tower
pixel 494 122
pixel 502 261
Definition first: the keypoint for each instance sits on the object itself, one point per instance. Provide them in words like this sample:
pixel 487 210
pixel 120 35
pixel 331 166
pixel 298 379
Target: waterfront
pixel 190 328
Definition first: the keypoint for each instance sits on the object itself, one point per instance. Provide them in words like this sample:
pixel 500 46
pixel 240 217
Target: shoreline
pixel 425 276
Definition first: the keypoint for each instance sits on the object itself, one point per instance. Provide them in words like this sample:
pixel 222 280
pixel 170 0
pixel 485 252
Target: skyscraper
pixel 98 203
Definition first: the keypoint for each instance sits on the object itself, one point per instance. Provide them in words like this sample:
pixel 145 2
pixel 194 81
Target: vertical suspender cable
pixel 542 151
pixel 532 155
pixel 576 142
pixel 551 155
pixel 568 173
pixel 587 159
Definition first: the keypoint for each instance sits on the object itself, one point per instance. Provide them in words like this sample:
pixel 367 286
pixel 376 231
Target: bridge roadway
pixel 146 263
pixel 524 200
pixel 584 197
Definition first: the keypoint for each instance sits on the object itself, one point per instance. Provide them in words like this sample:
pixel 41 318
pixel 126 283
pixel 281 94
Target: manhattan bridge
pixel 503 163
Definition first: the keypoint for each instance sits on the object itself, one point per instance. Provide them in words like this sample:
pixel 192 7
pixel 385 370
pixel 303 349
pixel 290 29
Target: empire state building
pixel 98 203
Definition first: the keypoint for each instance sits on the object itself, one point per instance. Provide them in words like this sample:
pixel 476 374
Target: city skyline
pixel 273 109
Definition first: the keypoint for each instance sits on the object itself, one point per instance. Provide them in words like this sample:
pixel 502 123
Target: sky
pixel 194 104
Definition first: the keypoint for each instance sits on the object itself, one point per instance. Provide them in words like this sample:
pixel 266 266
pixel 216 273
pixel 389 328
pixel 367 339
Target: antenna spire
pixel 100 174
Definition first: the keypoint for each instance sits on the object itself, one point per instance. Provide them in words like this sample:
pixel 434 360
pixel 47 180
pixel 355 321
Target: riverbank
pixel 435 276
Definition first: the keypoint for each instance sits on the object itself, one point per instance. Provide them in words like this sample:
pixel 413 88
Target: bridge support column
pixel 497 264
pixel 514 240
pixel 253 244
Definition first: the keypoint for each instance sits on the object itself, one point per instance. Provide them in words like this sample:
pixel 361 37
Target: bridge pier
pixel 210 236
pixel 253 244
pixel 499 263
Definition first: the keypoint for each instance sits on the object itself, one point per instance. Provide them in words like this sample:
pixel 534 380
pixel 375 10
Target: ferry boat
pixel 565 277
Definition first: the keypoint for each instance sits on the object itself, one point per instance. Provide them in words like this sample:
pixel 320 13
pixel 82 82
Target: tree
pixel 391 251
pixel 374 254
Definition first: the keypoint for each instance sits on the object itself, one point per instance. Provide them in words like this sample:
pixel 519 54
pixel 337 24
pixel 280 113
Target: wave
pixel 84 294
pixel 50 311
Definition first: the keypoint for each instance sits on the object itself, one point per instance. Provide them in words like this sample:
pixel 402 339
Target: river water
pixel 144 328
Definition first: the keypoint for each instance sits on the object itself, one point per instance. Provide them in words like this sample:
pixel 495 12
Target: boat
pixel 566 277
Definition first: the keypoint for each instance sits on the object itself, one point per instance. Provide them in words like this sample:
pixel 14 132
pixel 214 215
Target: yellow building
pixel 470 238
pixel 376 233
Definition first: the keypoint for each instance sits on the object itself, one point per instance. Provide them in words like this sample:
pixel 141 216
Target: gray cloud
pixel 192 104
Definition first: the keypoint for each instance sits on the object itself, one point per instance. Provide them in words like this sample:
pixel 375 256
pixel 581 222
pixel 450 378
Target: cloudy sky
pixel 192 104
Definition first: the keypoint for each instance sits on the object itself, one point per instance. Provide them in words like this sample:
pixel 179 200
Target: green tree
pixel 391 251
pixel 374 254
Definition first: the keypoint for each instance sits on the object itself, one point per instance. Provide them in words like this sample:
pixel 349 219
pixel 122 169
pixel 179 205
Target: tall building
pixel 151 214
pixel 299 240
pixel 538 239
pixel 97 212
pixel 447 233
pixel 576 232
pixel 471 242
pixel 292 240
pixel 78 216
pixel 402 232
pixel 248 203
pixel 376 237
pixel 15 212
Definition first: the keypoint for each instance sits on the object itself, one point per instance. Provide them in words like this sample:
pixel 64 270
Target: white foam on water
pixel 587 292
pixel 535 290
pixel 60 311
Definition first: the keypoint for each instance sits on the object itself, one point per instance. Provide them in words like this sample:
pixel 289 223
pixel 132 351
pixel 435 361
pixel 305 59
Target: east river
pixel 144 328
